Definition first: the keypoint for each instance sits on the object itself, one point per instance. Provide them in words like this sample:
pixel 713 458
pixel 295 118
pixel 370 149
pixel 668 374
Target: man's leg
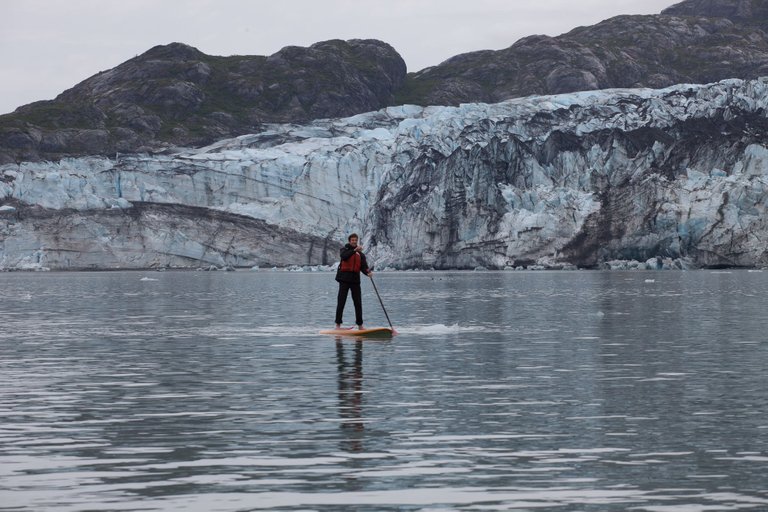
pixel 357 298
pixel 341 301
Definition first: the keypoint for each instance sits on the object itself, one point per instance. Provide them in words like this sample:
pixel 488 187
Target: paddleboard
pixel 376 332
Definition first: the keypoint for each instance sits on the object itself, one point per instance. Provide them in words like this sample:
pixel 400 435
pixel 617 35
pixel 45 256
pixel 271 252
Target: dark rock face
pixel 177 95
pixel 697 41
pixel 749 12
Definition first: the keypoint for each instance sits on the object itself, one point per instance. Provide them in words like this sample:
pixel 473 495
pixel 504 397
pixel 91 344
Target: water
pixel 567 391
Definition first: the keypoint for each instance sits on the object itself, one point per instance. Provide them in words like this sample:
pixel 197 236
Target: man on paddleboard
pixel 352 263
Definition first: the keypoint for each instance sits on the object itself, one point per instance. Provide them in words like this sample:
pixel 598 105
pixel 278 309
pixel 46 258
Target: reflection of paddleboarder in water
pixel 352 263
pixel 351 395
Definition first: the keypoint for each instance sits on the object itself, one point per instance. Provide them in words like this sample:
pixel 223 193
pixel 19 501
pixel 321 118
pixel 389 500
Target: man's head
pixel 353 239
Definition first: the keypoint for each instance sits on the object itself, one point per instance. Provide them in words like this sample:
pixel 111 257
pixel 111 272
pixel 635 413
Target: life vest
pixel 352 264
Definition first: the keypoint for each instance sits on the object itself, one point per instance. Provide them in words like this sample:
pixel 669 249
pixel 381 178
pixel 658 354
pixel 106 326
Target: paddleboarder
pixel 348 276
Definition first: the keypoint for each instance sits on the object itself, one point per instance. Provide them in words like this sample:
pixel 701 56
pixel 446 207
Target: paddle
pixel 382 305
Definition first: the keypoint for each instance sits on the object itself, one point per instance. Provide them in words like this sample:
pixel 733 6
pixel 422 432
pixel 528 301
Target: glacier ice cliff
pixel 572 179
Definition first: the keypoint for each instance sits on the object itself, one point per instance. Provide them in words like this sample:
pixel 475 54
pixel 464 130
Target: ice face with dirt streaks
pixel 572 179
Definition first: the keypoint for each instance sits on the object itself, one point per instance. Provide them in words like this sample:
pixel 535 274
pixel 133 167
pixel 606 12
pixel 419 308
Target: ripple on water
pixel 573 391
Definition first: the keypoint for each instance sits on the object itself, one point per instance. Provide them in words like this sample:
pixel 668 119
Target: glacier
pixel 572 180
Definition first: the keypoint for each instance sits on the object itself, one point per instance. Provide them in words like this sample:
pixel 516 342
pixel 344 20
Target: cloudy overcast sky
pixel 47 46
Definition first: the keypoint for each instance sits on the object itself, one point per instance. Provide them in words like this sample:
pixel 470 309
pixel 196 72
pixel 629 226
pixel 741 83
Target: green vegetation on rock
pixel 177 95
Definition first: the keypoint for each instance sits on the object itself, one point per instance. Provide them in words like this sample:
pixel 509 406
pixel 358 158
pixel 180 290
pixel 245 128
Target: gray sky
pixel 47 46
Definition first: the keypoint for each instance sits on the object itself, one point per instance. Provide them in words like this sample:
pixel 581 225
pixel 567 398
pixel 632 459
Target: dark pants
pixel 344 289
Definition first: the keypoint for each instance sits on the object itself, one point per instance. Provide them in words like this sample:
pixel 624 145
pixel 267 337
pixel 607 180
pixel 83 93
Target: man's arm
pixel 364 265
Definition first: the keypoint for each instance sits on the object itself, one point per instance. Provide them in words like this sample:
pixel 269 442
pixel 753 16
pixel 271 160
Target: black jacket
pixel 351 277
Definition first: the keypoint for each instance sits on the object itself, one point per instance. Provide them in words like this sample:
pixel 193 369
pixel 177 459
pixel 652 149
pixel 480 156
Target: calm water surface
pixel 567 391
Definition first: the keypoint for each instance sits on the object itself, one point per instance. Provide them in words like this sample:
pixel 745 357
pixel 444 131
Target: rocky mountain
pixel 745 12
pixel 696 41
pixel 578 179
pixel 176 95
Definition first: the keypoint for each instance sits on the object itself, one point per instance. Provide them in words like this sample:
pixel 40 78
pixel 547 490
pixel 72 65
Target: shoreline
pixel 313 270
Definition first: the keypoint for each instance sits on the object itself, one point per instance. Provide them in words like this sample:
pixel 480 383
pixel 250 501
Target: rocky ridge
pixel 746 12
pixel 696 41
pixel 175 95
